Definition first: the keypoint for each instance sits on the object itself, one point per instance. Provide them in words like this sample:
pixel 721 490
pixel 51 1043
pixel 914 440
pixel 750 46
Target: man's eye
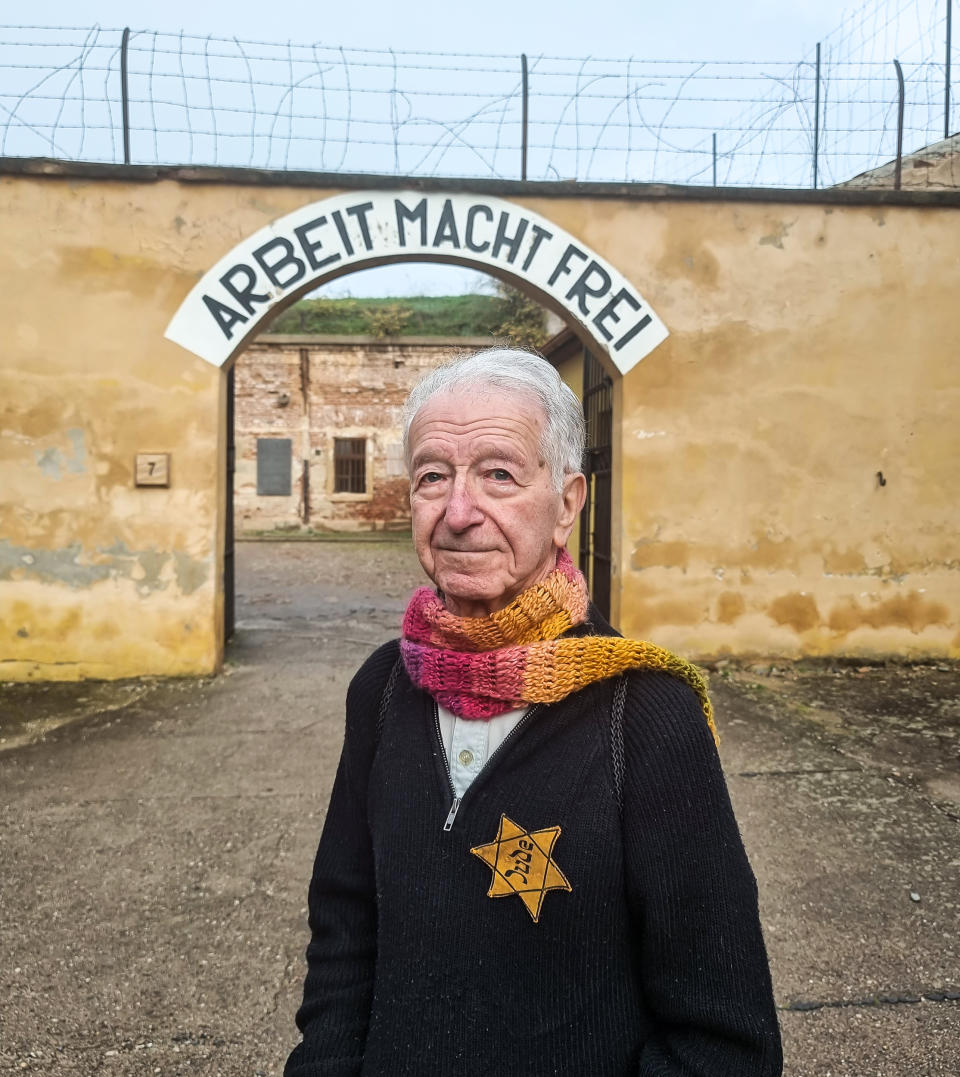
pixel 431 477
pixel 500 474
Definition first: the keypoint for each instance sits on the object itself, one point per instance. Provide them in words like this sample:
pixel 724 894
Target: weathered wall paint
pixel 811 348
pixel 97 577
pixel 790 451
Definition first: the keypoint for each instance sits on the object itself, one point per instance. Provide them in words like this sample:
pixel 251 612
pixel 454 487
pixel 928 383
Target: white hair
pixel 515 371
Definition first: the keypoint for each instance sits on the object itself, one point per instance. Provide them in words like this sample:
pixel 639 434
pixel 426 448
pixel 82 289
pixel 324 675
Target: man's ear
pixel 572 497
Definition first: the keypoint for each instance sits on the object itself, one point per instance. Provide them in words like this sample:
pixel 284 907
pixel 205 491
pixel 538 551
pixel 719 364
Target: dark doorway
pixel 229 601
pixel 595 546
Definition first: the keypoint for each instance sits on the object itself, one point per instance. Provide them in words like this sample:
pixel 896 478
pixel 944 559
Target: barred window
pixel 349 465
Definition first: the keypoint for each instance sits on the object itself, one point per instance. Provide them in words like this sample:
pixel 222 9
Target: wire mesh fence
pixel 158 98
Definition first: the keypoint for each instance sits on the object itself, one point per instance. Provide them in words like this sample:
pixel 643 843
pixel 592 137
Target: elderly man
pixel 529 865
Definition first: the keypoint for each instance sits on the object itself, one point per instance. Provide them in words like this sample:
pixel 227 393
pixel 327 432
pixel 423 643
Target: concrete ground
pixel 156 839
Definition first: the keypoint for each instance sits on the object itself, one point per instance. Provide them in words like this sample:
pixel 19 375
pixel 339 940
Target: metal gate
pixel 595 530
pixel 229 605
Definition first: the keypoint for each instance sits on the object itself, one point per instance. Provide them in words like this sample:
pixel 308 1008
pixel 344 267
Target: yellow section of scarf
pixel 479 666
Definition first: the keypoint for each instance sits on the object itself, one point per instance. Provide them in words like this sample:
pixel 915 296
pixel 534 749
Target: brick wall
pixel 313 390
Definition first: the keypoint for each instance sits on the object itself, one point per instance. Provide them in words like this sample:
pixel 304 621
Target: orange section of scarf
pixel 479 667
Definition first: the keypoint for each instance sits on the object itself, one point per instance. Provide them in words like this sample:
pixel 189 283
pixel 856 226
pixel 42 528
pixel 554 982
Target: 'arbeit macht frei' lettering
pixel 501 236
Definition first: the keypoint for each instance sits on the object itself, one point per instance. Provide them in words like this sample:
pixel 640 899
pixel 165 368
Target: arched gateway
pixel 327 239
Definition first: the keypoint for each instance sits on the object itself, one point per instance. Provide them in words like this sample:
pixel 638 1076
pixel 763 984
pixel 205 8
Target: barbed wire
pixel 206 100
pixel 863 46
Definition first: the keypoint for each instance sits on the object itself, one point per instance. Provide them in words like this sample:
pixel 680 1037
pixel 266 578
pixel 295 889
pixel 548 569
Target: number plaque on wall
pixel 153 469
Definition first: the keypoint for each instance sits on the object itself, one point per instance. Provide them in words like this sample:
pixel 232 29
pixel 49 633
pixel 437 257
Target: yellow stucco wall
pixel 99 578
pixel 811 347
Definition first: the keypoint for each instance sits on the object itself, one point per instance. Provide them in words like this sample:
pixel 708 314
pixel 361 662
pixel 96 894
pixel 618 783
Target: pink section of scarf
pixel 477 667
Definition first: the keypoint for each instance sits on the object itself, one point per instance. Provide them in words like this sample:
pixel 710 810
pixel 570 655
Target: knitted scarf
pixel 478 667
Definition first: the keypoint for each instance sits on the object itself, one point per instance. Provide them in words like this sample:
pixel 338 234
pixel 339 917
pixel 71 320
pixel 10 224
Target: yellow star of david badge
pixel 523 864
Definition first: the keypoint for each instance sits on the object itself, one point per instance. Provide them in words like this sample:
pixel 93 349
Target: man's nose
pixel 462 510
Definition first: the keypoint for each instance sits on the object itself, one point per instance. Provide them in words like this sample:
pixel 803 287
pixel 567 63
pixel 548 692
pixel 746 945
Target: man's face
pixel 487 521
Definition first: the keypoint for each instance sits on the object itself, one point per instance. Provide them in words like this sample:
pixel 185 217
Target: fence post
pixel 946 87
pixel 524 121
pixel 714 158
pixel 125 94
pixel 899 165
pixel 816 123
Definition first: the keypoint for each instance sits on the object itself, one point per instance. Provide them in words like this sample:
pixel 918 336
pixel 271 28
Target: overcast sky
pixel 763 30
pixel 684 29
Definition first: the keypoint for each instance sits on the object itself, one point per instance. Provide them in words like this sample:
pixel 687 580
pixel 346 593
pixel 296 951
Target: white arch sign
pixel 371 227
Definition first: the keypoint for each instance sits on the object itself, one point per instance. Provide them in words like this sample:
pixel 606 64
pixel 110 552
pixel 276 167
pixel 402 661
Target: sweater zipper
pixel 457 801
pixel 455 806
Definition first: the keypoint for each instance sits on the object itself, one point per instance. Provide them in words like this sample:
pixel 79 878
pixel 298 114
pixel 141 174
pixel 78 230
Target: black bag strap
pixel 616 738
pixel 387 695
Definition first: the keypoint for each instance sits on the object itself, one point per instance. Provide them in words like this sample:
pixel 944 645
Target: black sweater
pixel 652 963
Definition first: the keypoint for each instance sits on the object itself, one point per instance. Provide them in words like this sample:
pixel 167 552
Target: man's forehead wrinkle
pixel 460 428
pixel 498 442
pixel 496 436
pixel 489 448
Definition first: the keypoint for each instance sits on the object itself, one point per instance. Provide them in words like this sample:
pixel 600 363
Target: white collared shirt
pixel 469 742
